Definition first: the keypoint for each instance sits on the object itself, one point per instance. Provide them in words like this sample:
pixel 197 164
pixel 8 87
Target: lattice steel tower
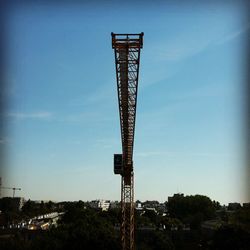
pixel 127 59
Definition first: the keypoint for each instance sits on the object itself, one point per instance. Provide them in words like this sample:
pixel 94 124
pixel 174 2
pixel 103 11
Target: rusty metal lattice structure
pixel 127 59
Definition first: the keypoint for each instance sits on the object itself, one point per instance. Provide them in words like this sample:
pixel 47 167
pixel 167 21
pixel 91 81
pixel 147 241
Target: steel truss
pixel 127 58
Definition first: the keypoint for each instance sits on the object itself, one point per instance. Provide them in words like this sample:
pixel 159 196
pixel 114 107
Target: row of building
pixel 105 205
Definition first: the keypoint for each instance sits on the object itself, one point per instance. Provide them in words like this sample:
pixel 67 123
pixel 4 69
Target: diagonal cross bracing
pixel 127 57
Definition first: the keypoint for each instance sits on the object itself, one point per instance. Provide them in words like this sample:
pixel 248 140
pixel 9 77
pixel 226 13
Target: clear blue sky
pixel 62 113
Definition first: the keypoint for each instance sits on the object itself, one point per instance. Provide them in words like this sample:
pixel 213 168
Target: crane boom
pixel 127 59
pixel 13 188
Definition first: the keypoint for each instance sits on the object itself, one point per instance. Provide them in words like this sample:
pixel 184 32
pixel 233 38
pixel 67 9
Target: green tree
pixel 231 237
pixel 30 208
pixel 153 240
pixel 191 209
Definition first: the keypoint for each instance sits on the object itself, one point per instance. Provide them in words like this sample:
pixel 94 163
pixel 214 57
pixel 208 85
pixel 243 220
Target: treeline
pixel 11 213
pixel 192 210
pixel 82 227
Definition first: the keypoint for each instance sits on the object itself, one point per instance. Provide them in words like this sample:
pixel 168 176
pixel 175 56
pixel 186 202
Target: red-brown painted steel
pixel 127 59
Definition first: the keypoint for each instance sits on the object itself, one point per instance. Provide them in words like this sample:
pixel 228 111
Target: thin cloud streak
pixel 89 117
pixel 83 117
pixel 182 154
pixel 178 50
pixel 233 35
pixel 38 115
pixel 99 96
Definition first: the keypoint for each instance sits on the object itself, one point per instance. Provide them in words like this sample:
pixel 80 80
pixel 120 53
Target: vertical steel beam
pixel 127 207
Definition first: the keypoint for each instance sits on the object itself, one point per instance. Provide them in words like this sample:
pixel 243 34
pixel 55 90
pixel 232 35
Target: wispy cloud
pixel 42 115
pixel 79 169
pixel 181 154
pixel 150 153
pixel 180 46
pixel 168 52
pixel 100 95
pixel 233 35
pixel 107 143
pixel 189 44
pixel 80 117
pixel 182 50
pixel 86 117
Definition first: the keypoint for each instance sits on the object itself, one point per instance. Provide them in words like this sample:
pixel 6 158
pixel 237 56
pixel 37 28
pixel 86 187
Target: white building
pixel 103 204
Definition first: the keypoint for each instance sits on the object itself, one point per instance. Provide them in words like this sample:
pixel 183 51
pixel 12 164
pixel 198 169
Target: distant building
pixel 246 205
pixel 101 204
pixel 233 206
pixel 138 205
pixel 150 204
